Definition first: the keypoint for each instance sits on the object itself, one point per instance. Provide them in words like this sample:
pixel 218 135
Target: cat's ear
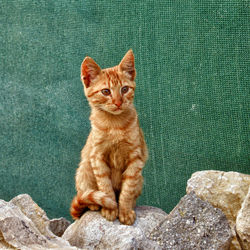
pixel 89 71
pixel 127 65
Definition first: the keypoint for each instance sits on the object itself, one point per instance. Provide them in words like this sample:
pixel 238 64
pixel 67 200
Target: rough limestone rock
pixel 224 190
pixel 24 225
pixel 92 231
pixel 193 224
pixel 243 223
pixel 3 244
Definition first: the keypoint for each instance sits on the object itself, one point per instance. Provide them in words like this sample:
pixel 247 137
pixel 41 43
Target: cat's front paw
pixel 109 214
pixel 127 217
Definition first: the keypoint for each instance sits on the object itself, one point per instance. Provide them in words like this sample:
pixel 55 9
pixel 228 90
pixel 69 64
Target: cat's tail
pixel 80 203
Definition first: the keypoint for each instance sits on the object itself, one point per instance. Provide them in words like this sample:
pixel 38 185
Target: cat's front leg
pixel 132 182
pixel 102 174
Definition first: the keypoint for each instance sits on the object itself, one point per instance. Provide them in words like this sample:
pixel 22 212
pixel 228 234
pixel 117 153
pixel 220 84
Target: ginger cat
pixel 110 170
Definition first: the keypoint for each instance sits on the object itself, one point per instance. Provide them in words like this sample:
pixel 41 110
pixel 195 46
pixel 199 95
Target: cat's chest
pixel 116 136
pixel 117 146
pixel 117 141
pixel 117 154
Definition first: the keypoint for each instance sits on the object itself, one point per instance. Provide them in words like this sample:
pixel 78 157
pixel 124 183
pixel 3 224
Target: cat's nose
pixel 118 102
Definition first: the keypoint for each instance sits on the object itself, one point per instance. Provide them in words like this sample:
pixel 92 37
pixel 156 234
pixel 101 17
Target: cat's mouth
pixel 116 110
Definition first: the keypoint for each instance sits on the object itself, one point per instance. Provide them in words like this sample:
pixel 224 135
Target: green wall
pixel 192 60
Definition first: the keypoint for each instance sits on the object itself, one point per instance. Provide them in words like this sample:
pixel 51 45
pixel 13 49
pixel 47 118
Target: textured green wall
pixel 192 60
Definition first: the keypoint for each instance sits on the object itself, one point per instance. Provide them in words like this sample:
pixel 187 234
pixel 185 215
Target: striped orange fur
pixel 109 175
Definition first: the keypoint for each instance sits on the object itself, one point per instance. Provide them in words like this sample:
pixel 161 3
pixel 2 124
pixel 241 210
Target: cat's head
pixel 112 89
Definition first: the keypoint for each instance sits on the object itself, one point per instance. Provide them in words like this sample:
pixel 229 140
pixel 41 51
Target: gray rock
pixel 193 224
pixel 21 233
pixel 58 226
pixel 24 225
pixel 224 190
pixel 92 231
pixel 32 211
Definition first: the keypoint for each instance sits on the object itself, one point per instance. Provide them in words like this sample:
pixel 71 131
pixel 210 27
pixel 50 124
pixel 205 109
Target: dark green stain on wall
pixel 192 96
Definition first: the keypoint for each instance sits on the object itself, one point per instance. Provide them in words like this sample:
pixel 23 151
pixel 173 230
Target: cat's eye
pixel 106 92
pixel 124 89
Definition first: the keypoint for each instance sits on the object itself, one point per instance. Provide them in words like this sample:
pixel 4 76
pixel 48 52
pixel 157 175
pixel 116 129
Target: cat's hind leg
pixel 92 199
pixel 88 196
